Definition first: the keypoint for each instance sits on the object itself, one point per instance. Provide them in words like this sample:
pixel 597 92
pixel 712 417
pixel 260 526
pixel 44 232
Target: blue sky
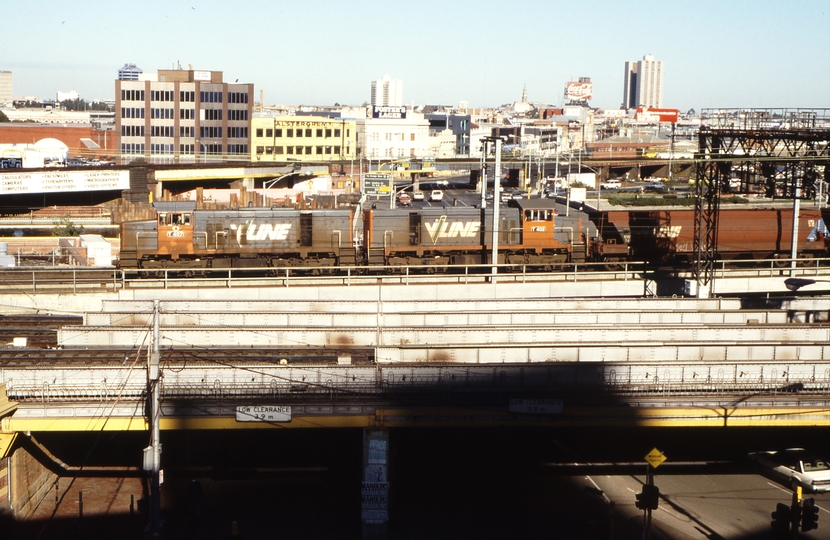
pixel 726 53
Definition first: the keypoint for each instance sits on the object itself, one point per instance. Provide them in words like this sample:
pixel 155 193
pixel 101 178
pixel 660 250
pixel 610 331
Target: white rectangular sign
pixel 61 181
pixel 263 413
pixel 536 406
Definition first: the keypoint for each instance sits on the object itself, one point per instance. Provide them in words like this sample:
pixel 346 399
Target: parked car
pixel 611 184
pixel 436 195
pixel 404 199
pixel 656 186
pixel 795 467
pixel 417 195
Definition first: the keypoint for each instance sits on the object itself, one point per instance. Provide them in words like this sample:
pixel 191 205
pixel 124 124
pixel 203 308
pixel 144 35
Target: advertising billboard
pixel 648 114
pixel 387 112
pixel 95 179
pixel 581 90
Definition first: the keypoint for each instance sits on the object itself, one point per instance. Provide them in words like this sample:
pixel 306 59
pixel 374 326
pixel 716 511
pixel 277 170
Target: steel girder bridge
pixel 782 153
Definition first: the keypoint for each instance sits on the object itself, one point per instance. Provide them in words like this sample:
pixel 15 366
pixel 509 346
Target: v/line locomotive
pixel 530 232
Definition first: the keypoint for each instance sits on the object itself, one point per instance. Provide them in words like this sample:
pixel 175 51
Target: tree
pixel 65 227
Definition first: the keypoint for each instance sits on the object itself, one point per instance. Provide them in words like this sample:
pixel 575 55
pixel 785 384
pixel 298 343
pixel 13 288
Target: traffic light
pixel 781 521
pixel 809 515
pixel 649 498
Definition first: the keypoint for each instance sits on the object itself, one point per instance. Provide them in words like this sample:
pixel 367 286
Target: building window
pixel 337 133
pixel 319 133
pixel 289 133
pixel 278 149
pixel 308 150
pixel 290 149
pixel 308 133
pixel 277 133
pixel 238 114
pixel 319 149
pixel 269 133
pixel 210 132
pixel 238 132
pixel 260 150
pixel 259 133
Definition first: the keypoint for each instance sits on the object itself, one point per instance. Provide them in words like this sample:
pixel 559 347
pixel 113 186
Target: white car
pixel 611 184
pixel 436 195
pixel 417 195
pixel 796 467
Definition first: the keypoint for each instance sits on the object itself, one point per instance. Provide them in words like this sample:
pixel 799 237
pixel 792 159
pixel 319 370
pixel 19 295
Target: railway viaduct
pixel 379 356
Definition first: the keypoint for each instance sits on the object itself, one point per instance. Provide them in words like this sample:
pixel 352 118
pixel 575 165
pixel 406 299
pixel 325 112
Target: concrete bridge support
pixel 375 486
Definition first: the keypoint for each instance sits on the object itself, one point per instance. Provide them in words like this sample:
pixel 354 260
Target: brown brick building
pixel 72 136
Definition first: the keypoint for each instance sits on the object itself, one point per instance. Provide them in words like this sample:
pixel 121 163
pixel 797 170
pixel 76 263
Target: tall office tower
pixel 129 72
pixel 387 92
pixel 6 88
pixel 643 83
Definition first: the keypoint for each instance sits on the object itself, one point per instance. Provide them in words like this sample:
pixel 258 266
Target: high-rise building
pixel 130 72
pixel 183 116
pixel 387 92
pixel 643 83
pixel 6 88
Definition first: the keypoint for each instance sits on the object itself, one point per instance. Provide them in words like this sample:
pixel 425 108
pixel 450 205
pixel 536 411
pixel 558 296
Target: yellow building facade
pixel 303 138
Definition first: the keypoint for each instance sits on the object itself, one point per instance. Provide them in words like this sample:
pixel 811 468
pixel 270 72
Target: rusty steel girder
pixel 780 153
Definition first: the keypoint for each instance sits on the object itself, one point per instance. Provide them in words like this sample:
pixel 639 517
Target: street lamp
pixel 794 283
pixel 269 184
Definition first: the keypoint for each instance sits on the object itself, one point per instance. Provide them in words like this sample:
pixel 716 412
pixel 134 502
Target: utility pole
pixel 496 204
pixel 152 454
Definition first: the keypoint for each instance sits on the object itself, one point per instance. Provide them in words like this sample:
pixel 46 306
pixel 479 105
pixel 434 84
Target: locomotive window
pixel 539 215
pixel 174 219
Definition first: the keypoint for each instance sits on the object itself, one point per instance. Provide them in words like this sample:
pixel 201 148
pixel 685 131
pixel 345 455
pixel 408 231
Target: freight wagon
pixel 743 233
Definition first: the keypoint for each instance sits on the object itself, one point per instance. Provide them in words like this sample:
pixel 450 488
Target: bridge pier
pixel 375 486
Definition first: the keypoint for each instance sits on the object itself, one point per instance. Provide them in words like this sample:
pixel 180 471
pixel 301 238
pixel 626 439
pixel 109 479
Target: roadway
pixel 444 483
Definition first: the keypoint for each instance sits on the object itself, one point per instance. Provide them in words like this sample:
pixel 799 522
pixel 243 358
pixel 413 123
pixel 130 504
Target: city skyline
pixel 716 54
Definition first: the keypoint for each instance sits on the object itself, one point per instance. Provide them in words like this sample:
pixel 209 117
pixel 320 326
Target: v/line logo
pixel 257 232
pixel 442 228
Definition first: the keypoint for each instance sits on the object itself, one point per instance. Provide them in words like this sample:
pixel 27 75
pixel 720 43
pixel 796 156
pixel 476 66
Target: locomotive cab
pixel 175 228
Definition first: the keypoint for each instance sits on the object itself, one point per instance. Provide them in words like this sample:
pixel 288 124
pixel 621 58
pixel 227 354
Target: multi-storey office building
pixel 643 83
pixel 183 116
pixel 6 88
pixel 130 72
pixel 303 138
pixel 390 133
pixel 387 92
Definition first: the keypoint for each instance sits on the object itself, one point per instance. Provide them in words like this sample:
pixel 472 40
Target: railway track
pixel 37 331
pixel 175 358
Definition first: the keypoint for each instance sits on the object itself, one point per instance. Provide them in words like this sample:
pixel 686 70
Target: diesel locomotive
pixel 530 232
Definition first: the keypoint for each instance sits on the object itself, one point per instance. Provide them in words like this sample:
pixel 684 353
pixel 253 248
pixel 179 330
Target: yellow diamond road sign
pixel 655 458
